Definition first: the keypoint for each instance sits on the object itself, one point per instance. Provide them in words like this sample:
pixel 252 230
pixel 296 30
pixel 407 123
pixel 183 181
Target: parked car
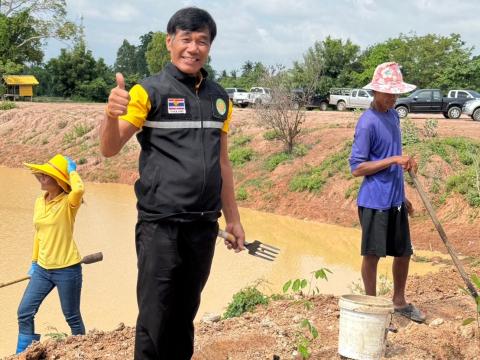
pixel 469 94
pixel 430 101
pixel 239 96
pixel 472 109
pixel 310 102
pixel 259 95
pixel 346 98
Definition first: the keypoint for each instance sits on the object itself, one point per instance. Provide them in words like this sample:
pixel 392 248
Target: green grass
pixel 462 155
pixel 352 190
pixel 51 99
pixel 240 155
pixel 241 140
pixel 261 184
pixel 314 178
pixel 274 160
pixel 271 135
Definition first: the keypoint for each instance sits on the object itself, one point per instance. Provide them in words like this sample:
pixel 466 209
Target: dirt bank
pixel 274 330
pixel 34 132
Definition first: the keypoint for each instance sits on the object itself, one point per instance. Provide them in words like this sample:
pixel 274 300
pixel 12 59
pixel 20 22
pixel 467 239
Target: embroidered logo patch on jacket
pixel 221 106
pixel 176 106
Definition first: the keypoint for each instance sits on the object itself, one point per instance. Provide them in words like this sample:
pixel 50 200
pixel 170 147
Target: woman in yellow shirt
pixel 55 259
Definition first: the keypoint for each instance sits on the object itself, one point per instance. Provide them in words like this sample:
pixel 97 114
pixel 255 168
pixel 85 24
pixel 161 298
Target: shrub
pixel 409 132
pixel 430 128
pixel 270 135
pixel 69 138
pixel 81 129
pixel 241 194
pixel 245 300
pixel 300 150
pixel 240 155
pixel 310 180
pixel 7 105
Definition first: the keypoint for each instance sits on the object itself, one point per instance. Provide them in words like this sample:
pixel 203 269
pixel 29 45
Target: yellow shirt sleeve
pixel 138 107
pixel 75 196
pixel 226 123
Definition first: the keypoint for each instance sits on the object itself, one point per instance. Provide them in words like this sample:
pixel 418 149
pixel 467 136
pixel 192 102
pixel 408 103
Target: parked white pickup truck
pixel 259 95
pixel 346 98
pixel 239 97
pixel 469 94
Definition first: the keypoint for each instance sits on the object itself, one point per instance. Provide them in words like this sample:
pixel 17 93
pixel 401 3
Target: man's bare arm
pixel 229 205
pixel 114 133
pixel 372 167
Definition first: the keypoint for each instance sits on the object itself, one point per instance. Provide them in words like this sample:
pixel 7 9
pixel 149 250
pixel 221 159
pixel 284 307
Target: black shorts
pixel 385 232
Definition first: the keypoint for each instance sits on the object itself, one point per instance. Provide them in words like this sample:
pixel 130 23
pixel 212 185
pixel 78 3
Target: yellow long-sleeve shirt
pixel 53 244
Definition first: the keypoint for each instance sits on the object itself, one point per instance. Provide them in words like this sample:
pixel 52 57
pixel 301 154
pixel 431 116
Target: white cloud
pixel 276 31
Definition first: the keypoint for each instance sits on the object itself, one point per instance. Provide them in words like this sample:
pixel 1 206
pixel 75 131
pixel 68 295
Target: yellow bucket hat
pixel 56 167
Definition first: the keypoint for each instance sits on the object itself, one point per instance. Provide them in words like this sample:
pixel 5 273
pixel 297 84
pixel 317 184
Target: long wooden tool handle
pixel 229 237
pixel 225 235
pixel 89 259
pixel 443 235
pixel 92 258
pixel 14 281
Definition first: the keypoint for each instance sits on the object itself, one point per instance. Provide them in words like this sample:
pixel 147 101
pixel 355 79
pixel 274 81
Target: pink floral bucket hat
pixel 388 78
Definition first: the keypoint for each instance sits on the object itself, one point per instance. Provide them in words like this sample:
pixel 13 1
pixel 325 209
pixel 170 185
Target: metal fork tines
pixel 262 250
pixel 255 248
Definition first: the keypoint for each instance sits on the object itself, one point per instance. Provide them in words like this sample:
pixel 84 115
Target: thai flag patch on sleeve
pixel 176 106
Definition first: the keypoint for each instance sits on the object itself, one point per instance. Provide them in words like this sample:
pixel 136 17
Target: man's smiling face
pixel 189 50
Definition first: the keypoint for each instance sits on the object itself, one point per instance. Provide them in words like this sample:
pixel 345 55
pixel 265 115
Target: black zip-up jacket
pixel 180 175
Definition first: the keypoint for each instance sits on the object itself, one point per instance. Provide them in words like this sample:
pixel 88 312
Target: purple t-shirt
pixel 377 136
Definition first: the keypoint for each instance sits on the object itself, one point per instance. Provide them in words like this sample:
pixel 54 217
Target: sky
pixel 273 31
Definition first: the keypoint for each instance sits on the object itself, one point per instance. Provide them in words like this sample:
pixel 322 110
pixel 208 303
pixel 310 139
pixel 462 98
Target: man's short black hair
pixel 192 19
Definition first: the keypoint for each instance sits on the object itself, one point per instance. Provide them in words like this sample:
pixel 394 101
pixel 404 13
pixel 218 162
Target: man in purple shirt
pixel 382 205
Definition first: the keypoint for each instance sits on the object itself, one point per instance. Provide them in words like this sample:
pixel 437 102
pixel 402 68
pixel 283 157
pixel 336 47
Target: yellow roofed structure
pixel 20 80
pixel 19 86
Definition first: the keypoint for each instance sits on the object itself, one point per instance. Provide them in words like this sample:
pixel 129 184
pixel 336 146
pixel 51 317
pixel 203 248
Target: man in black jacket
pixel 185 182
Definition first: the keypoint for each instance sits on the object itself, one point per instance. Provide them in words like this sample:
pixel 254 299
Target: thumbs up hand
pixel 118 99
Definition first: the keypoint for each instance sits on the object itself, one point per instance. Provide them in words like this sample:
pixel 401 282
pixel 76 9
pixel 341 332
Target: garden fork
pixel 255 248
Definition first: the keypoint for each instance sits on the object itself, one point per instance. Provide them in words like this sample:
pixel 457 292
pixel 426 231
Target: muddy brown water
pixel 106 223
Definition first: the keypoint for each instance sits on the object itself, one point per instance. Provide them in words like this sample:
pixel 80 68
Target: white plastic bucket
pixel 363 326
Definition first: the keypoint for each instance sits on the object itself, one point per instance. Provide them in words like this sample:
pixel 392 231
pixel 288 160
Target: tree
pixel 8 67
pixel 14 32
pixel 75 73
pixel 48 18
pixel 328 63
pixel 126 62
pixel 142 66
pixel 281 114
pixel 427 61
pixel 157 54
